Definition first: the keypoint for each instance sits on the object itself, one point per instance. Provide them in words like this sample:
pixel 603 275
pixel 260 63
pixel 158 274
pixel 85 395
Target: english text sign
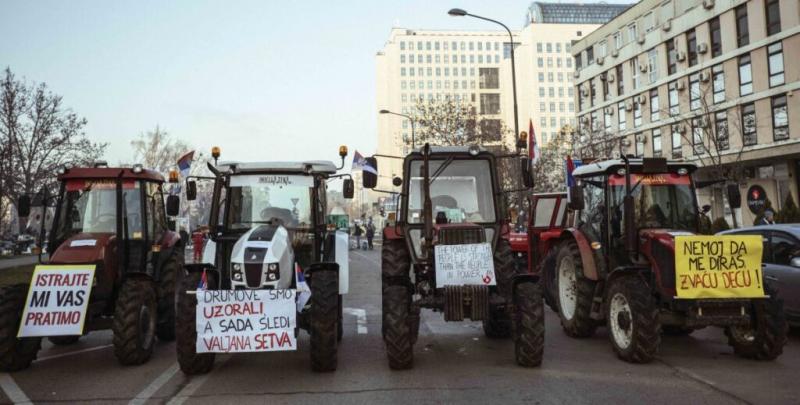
pixel 57 300
pixel 468 264
pixel 718 266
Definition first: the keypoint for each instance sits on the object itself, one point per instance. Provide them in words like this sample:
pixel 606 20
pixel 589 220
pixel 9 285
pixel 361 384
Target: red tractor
pixel 613 263
pixel 114 219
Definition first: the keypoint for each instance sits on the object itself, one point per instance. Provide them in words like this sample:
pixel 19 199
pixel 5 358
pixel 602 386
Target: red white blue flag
pixel 360 163
pixel 533 151
pixel 303 290
pixel 203 282
pixel 185 163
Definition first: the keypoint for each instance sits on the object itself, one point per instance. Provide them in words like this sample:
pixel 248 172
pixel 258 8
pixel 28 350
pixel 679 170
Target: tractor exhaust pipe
pixel 629 212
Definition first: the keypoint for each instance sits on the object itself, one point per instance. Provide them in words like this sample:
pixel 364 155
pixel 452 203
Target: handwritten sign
pixel 718 266
pixel 237 321
pixel 57 300
pixel 468 264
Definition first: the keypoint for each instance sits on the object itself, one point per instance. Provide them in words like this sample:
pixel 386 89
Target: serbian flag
pixel 303 290
pixel 203 282
pixel 359 163
pixel 185 163
pixel 570 165
pixel 533 152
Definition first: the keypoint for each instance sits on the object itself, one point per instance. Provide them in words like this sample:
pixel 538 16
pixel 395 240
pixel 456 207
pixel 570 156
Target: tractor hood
pixel 659 246
pixel 263 258
pixel 83 248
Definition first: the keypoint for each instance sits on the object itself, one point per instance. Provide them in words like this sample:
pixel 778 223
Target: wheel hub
pixel 620 321
pixel 567 287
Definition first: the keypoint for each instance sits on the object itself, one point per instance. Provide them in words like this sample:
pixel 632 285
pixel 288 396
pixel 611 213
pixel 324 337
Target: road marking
pixel 12 390
pixel 154 386
pixel 365 257
pixel 361 318
pixel 55 356
pixel 194 384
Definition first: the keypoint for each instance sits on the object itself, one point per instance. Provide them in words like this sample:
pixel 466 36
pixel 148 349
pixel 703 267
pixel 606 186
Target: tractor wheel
pixel 397 333
pixel 498 326
pixel 166 300
pixel 15 354
pixel 324 320
pixel 548 280
pixel 395 263
pixel 529 327
pixel 675 330
pixel 189 360
pixel 766 340
pixel 504 268
pixel 632 317
pixel 64 340
pixel 134 324
pixel 575 292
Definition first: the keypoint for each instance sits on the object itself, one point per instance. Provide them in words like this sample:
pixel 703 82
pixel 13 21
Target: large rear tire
pixel 324 320
pixel 575 292
pixel 397 332
pixel 15 354
pixel 189 360
pixel 766 340
pixel 529 327
pixel 134 324
pixel 498 326
pixel 632 316
pixel 166 299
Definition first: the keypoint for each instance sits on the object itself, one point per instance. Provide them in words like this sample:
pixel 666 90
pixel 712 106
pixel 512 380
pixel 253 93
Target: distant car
pixel 781 263
pixel 6 248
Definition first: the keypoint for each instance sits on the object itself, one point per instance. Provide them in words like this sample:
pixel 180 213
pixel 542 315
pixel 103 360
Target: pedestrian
pixel 197 242
pixel 704 221
pixel 357 233
pixel 768 218
pixel 370 234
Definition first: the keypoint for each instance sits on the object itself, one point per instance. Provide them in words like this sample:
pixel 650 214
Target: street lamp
pixel 457 12
pixel 410 118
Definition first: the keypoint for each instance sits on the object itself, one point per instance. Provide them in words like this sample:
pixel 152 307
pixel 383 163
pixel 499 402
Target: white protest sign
pixel 57 301
pixel 468 264
pixel 237 321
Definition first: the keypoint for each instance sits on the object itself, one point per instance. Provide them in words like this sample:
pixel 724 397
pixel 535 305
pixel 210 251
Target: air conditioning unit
pixel 681 56
pixel 699 122
pixel 584 92
pixel 705 76
pixel 599 60
pixel 610 77
pixel 643 68
pixel 667 25
pixel 628 106
pixel 640 39
pixel 679 128
pixel 680 85
pixel 708 4
pixel 641 138
pixel 577 74
pixel 702 47
pixel 609 110
pixel 603 76
pixel 641 99
pixel 584 120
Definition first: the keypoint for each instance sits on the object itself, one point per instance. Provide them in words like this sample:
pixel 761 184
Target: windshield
pixel 90 206
pixel 260 199
pixel 661 200
pixel 462 191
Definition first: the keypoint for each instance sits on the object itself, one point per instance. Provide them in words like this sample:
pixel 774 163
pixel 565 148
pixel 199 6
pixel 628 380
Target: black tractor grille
pixel 665 261
pixel 254 265
pixel 461 236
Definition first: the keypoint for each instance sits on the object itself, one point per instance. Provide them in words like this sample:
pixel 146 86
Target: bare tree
pixel 157 150
pixel 38 135
pixel 549 170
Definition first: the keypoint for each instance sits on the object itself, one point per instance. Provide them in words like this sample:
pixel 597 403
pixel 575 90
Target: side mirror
pixel 397 181
pixel 173 205
pixel 369 178
pixel 576 198
pixel 734 196
pixel 24 206
pixel 525 170
pixel 348 188
pixel 191 190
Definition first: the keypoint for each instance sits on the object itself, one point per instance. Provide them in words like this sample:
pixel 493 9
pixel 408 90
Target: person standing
pixel 370 234
pixel 704 221
pixel 768 218
pixel 357 233
pixel 197 242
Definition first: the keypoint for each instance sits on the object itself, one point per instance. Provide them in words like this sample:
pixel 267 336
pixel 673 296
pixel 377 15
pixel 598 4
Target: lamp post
pixel 457 12
pixel 410 118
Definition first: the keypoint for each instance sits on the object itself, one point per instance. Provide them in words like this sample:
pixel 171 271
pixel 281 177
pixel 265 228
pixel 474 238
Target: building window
pixel 649 22
pixel 721 130
pixel 621 115
pixel 550 77
pixel 541 91
pixel 718 83
pixel 694 92
pixel 677 151
pixel 617 40
pixel 490 103
pixel 745 76
pixel 620 81
pixel 561 92
pixel 549 47
pixel 672 57
pixel 607 120
pixel 489 78
pixel 552 107
pixel 691 47
pixel 775 58
pixel 749 135
pixel 539 47
pixel 637 115
pixel 561 107
pixel 652 64
pixel 632 32
pixel 558 62
pixel 549 62
pixel 742 30
pixel 589 56
pixel 551 91
pixel 674 101
pixel 540 62
pixel 635 75
pixel 541 77
pixel 654 107
pixel 553 122
pixel 697 137
pixel 543 121
pixel 570 91
pixel 657 142
pixel 604 81
pixel 592 94
pixel 403 71
pixel 402 45
pixel 542 107
pixel 571 106
pixel 569 61
pixel 638 145
pixel 716 37
pixel 558 46
pixel 560 77
pixel 780 118
pixel 773 13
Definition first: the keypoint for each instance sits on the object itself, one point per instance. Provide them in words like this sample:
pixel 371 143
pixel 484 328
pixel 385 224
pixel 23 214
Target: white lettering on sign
pixel 57 301
pixel 469 264
pixel 236 321
pixel 82 242
pixel 271 180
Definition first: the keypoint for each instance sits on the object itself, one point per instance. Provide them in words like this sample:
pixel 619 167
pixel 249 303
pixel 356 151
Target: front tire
pixel 134 324
pixel 324 320
pixel 575 292
pixel 15 354
pixel 529 327
pixel 166 300
pixel 189 360
pixel 397 332
pixel 632 316
pixel 766 340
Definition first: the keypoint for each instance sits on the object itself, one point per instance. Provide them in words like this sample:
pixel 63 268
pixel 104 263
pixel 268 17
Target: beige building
pixel 700 80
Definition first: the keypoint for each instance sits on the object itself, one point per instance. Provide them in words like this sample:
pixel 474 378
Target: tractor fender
pixel 392 232
pixel 587 256
pixel 642 272
pixel 519 279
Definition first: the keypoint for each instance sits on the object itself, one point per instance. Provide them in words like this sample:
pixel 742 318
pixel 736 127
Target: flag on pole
pixel 533 151
pixel 203 282
pixel 303 290
pixel 360 163
pixel 570 165
pixel 185 163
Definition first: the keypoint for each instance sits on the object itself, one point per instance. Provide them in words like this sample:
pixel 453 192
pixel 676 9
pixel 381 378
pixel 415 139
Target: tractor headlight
pixel 273 273
pixel 237 272
pixel 272 267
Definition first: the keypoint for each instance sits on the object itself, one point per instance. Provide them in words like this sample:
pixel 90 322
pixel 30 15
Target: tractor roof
pixel 110 173
pixel 612 165
pixel 310 166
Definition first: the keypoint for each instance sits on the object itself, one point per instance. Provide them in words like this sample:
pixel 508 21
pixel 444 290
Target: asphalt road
pixel 8 262
pixel 454 363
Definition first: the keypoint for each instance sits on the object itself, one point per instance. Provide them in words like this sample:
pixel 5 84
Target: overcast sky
pixel 265 80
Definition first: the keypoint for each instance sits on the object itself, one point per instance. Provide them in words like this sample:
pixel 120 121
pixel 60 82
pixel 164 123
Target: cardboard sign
pixel 469 264
pixel 718 266
pixel 57 301
pixel 237 321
